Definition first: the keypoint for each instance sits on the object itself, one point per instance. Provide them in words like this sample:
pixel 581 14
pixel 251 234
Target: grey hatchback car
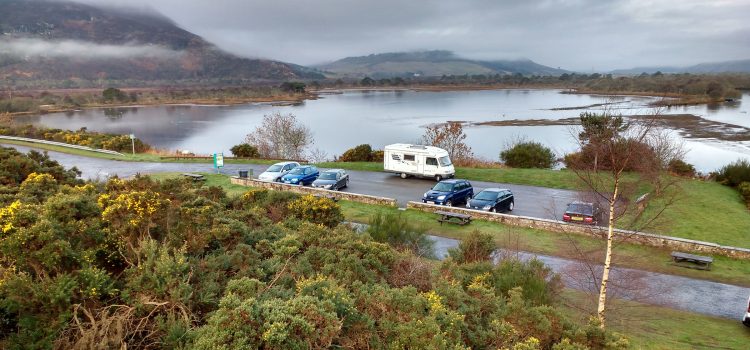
pixel 334 179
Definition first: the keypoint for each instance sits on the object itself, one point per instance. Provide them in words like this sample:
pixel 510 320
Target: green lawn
pixel 212 179
pixel 654 327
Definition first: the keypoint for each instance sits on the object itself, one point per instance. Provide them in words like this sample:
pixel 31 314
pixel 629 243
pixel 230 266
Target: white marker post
pixel 132 142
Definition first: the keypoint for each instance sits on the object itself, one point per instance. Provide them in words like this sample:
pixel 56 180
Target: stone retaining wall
pixel 354 197
pixel 653 240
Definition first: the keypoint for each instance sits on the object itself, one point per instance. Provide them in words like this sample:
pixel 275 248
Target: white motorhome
pixel 416 160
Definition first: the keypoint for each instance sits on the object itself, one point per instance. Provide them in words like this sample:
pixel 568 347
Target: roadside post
pixel 132 142
pixel 218 161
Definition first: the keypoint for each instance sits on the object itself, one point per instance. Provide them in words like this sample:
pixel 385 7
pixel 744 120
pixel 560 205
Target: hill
pixel 430 63
pixel 72 42
pixel 737 66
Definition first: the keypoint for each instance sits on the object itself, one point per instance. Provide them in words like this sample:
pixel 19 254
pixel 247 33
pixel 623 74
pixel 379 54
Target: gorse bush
pixel 361 153
pixel 681 168
pixel 394 229
pixel 319 210
pixel 735 173
pixel 476 246
pixel 143 264
pixel 528 155
pixel 82 137
pixel 744 189
pixel 245 151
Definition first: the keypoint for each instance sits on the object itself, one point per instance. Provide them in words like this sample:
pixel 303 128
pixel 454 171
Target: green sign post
pixel 218 161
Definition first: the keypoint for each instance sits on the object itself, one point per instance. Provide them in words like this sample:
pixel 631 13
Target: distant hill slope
pixel 738 66
pixel 430 63
pixel 57 40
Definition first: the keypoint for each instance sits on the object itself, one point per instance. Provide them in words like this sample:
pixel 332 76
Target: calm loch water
pixel 340 121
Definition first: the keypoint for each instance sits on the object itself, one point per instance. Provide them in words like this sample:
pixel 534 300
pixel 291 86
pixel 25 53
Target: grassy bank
pixel 660 328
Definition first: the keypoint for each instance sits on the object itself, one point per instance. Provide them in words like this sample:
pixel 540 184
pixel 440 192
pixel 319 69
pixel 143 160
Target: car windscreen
pixel 579 208
pixel 443 187
pixel 274 168
pixel 297 171
pixel 487 195
pixel 328 176
pixel 445 161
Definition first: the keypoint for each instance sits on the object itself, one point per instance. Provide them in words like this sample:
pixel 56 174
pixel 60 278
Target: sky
pixel 581 35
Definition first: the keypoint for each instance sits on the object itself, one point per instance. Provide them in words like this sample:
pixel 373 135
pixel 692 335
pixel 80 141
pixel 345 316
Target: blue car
pixel 301 175
pixel 449 192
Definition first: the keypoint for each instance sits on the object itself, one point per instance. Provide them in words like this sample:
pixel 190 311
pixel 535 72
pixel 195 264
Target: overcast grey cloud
pixel 580 35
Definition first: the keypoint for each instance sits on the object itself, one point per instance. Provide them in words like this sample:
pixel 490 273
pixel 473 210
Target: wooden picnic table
pixel 446 216
pixel 692 261
pixel 195 177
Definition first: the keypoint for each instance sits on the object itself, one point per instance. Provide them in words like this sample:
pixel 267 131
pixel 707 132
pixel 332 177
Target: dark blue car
pixel 301 175
pixel 492 199
pixel 449 192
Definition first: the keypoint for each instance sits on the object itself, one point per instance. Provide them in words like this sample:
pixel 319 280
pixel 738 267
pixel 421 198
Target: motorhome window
pixel 445 161
pixel 395 157
pixel 409 157
pixel 432 161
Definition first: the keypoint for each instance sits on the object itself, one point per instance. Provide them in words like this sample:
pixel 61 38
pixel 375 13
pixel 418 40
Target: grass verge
pixel 656 328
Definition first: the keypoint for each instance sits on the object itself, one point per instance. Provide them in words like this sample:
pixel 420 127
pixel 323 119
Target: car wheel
pixel 346 184
pixel 493 210
pixel 510 206
pixel 448 204
pixel 403 175
pixel 438 178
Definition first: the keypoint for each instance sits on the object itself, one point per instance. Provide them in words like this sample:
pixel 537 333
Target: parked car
pixel 276 171
pixel 417 160
pixel 301 175
pixel 583 213
pixel 493 199
pixel 334 179
pixel 449 192
pixel 746 319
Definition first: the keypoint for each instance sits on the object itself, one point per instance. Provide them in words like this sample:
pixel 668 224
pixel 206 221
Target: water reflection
pixel 340 121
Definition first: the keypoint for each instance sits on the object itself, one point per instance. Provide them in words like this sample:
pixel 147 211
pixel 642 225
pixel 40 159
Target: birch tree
pixel 280 136
pixel 623 166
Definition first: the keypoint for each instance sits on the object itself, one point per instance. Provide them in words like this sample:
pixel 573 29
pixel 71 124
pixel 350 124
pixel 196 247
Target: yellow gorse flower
pixel 7 215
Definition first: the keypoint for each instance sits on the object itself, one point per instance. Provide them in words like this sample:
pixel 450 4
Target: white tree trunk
pixel 608 257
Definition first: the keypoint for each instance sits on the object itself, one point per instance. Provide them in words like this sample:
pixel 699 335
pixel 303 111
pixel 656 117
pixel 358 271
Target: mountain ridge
pixel 429 63
pixel 60 40
pixel 732 66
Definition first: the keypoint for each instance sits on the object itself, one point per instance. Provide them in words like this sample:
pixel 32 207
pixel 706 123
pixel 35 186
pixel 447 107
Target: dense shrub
pixel 476 246
pixel 318 210
pixel 735 173
pixel 744 189
pixel 361 153
pixel 394 229
pixel 82 137
pixel 681 168
pixel 377 156
pixel 245 150
pixel 170 264
pixel 528 155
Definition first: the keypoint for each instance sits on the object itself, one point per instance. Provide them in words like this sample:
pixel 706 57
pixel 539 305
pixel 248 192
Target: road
pixel 530 201
pixel 700 296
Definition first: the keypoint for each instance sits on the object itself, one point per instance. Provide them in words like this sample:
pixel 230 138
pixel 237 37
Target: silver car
pixel 276 171
pixel 334 179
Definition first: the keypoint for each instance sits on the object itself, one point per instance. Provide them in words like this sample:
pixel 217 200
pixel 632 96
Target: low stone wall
pixel 653 240
pixel 276 186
